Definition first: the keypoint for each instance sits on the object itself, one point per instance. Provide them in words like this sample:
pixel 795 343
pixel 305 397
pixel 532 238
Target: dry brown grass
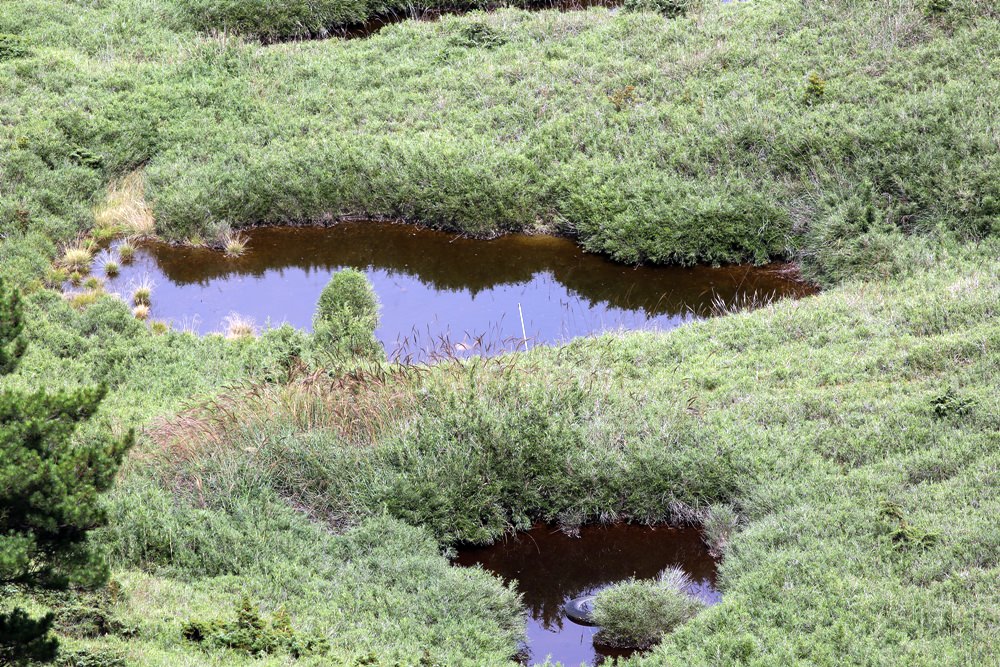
pixel 125 208
pixel 357 406
pixel 77 258
pixel 238 326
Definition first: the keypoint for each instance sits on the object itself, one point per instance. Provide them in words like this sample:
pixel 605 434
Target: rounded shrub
pixel 346 318
pixel 636 614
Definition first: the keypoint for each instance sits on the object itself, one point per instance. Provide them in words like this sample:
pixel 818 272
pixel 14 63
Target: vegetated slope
pixel 699 138
pixel 857 431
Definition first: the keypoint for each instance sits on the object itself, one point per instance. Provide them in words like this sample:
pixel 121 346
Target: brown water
pixel 549 568
pixel 433 285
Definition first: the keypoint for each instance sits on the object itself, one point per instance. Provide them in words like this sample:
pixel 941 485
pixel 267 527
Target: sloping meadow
pixel 740 131
pixel 856 433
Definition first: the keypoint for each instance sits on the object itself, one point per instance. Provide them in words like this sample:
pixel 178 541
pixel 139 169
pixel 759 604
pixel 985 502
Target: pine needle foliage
pixel 49 489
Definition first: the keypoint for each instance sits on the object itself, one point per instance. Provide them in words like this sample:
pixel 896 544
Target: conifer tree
pixel 49 491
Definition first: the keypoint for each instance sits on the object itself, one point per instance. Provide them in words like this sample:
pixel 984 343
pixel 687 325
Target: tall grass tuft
pixel 126 251
pixel 720 524
pixel 238 327
pixel 233 243
pixel 125 209
pixel 142 292
pixel 77 258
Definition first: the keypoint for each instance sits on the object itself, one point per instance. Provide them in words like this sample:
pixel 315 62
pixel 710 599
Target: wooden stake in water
pixel 524 334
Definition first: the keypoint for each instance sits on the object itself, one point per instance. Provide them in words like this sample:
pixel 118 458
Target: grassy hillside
pixel 837 130
pixel 855 432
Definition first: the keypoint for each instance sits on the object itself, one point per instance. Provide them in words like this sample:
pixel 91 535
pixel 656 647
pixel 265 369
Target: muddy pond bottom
pixel 438 290
pixel 550 568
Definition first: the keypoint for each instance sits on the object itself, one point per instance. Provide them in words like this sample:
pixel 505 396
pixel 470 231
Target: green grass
pixel 716 155
pixel 638 613
pixel 855 433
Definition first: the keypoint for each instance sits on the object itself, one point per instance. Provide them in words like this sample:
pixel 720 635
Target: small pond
pixel 435 286
pixel 550 568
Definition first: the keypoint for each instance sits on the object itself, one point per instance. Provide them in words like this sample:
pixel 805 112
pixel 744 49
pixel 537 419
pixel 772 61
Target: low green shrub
pixel 84 657
pixel 252 634
pixel 347 315
pixel 637 613
pixel 478 34
pixel 13 46
pixel 815 89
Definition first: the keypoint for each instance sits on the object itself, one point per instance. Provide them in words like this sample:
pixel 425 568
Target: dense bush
pixel 637 613
pixel 669 8
pixel 714 158
pixel 855 431
pixel 346 318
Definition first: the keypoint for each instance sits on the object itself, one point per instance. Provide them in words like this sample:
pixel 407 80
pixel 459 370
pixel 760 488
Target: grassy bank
pixel 699 138
pixel 855 431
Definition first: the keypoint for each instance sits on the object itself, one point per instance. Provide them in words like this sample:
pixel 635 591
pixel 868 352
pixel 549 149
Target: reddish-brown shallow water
pixel 549 568
pixel 433 285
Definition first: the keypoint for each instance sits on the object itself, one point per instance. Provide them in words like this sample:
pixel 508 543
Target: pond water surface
pixel 435 286
pixel 550 568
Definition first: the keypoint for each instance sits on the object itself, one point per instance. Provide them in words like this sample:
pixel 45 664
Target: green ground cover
pixel 721 150
pixel 855 432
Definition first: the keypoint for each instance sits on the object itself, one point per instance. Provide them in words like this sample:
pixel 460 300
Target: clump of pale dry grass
pixel 357 406
pixel 238 326
pixel 77 258
pixel 125 208
pixel 233 243
pixel 141 312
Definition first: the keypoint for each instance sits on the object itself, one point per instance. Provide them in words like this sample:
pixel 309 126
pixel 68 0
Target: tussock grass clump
pixel 238 327
pixel 77 259
pixel 233 244
pixel 111 268
pixel 719 526
pixel 56 276
pixel 126 251
pixel 638 613
pixel 142 292
pixel 125 209
pixel 159 327
pixel 81 300
pixel 141 312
